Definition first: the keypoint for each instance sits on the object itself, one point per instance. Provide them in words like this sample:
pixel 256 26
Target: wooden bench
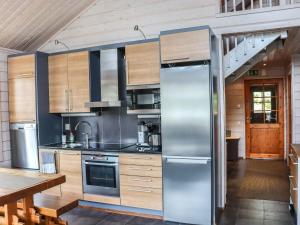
pixel 49 208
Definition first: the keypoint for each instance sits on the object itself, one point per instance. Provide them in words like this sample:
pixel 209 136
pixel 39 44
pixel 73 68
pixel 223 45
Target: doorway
pixel 264 109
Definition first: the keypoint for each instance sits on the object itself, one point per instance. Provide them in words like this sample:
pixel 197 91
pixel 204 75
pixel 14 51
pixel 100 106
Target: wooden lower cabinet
pixel 68 163
pixel 140 197
pixel 293 160
pixel 141 185
pixel 70 166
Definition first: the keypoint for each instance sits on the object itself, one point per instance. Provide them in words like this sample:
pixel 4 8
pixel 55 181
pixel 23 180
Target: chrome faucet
pixel 86 135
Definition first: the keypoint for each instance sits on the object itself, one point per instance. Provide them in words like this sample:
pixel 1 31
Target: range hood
pixel 108 95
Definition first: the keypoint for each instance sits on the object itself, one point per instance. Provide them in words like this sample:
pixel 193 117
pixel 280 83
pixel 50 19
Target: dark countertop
pixel 100 147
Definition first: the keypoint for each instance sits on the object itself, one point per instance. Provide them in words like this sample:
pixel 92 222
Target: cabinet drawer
pixel 185 46
pixel 140 197
pixel 140 159
pixel 294 196
pixel 148 182
pixel 293 169
pixel 143 171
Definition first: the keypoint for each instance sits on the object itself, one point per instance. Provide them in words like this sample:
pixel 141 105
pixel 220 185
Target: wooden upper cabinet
pixel 58 83
pixel 185 46
pixel 78 76
pixel 22 107
pixel 69 82
pixel 21 66
pixel 21 88
pixel 143 64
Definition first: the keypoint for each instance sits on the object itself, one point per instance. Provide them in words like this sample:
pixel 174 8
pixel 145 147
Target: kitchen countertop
pixel 100 147
pixel 296 148
pixel 232 138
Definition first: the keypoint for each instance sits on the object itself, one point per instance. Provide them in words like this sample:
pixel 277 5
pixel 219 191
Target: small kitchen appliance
pixel 143 134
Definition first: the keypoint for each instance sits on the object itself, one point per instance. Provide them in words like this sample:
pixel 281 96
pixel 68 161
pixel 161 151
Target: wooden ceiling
pixel 27 24
pixel 282 56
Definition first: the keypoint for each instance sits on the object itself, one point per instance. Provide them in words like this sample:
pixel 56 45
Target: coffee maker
pixel 143 134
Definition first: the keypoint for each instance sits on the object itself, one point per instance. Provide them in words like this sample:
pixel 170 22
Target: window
pixel 264 107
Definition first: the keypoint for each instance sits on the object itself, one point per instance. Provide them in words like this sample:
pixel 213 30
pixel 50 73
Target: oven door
pixel 101 178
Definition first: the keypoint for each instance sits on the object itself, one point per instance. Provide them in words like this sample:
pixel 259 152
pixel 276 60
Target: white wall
pixel 295 98
pixel 4 118
pixel 111 21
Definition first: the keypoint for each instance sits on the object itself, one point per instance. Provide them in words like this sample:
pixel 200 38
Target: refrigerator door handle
pixel 187 161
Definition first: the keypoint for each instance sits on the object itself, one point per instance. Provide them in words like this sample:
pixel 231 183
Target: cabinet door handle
pixel 66 100
pixel 292 160
pixel 137 157
pixel 176 59
pixel 71 99
pixel 143 180
pixel 145 169
pixel 127 71
pixel 140 190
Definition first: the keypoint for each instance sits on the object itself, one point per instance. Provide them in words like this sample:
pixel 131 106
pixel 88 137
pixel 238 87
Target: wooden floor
pixel 258 194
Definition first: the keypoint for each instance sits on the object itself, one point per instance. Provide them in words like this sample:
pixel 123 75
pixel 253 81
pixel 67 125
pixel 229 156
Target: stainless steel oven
pixel 143 99
pixel 101 173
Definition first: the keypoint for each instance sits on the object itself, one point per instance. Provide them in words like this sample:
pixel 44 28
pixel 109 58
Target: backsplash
pixel 113 125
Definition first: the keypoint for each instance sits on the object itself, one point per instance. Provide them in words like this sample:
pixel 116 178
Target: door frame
pixel 281 109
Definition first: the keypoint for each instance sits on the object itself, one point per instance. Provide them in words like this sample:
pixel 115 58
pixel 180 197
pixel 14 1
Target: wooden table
pixel 17 184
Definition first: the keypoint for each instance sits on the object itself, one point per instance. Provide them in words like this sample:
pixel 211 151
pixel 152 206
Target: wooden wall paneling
pixel 101 24
pixel 79 81
pixel 58 83
pixel 143 63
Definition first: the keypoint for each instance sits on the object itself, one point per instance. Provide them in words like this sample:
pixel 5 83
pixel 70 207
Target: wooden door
pixel 58 83
pixel 21 102
pixel 264 118
pixel 142 62
pixel 79 80
pixel 185 46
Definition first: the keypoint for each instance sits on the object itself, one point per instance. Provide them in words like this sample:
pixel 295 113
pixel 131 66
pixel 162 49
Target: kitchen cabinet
pixel 21 89
pixel 69 82
pixel 58 83
pixel 142 63
pixel 70 166
pixel 21 66
pixel 141 181
pixel 293 162
pixel 185 46
pixel 79 81
pixel 232 146
pixel 68 163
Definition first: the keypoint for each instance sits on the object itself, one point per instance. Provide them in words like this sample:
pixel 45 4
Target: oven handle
pixel 101 164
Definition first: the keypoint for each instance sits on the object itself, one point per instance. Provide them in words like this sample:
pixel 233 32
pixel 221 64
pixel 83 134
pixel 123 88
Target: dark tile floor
pixel 242 208
pixel 87 216
pixel 264 201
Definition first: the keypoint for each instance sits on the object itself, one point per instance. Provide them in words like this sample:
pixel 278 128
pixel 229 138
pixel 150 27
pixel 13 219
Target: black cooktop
pixel 107 147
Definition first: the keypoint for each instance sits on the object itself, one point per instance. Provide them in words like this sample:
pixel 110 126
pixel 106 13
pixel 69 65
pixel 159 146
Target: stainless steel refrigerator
pixel 187 145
